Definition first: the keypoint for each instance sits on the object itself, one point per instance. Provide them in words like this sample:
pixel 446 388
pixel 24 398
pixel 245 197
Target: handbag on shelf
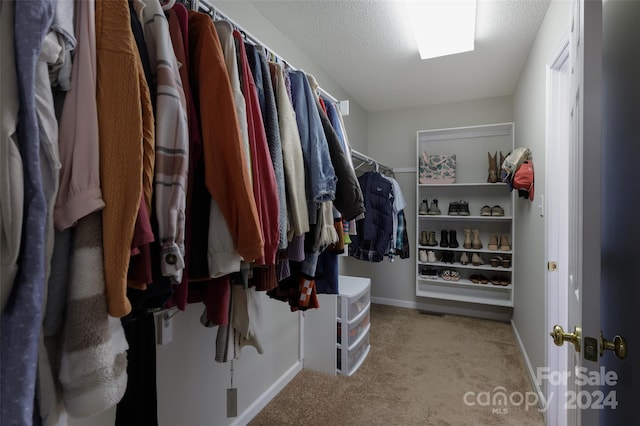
pixel 437 168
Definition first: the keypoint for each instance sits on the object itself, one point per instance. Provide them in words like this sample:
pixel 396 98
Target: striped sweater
pixel 172 139
pixel 93 364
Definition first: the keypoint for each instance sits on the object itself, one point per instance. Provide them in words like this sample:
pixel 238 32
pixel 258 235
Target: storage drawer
pixel 354 357
pixel 355 306
pixel 353 296
pixel 354 329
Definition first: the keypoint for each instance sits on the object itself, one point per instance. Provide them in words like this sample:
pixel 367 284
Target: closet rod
pixel 214 12
pixel 365 158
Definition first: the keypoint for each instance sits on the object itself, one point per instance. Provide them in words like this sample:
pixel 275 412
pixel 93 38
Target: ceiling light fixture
pixel 442 27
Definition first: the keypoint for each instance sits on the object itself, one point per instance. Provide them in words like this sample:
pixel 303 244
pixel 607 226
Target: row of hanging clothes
pixel 382 233
pixel 152 157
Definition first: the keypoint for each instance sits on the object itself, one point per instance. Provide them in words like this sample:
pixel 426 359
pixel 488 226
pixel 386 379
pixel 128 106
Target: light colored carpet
pixel 418 371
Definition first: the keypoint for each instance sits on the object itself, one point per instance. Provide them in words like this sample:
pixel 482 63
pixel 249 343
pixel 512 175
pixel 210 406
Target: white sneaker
pixel 422 256
pixel 431 256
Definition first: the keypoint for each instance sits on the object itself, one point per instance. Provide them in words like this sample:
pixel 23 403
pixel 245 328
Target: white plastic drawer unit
pixel 353 323
pixel 355 329
pixel 349 361
pixel 355 292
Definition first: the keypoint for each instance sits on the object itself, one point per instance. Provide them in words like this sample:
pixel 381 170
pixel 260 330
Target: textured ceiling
pixel 368 50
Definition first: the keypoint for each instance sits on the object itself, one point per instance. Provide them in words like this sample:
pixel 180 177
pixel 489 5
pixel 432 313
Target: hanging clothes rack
pixel 366 160
pixel 211 10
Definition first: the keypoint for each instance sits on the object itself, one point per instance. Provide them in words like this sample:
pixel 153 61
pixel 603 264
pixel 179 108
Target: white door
pixel 582 274
pixel 602 288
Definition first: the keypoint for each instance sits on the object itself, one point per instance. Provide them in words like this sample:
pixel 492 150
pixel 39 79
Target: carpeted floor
pixel 421 370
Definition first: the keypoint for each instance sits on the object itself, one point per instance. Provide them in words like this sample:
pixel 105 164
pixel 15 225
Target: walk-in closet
pixel 249 212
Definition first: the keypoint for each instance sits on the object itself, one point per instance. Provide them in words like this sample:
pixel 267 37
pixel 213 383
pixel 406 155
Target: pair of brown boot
pixel 472 239
pixel 494 167
pixel 504 244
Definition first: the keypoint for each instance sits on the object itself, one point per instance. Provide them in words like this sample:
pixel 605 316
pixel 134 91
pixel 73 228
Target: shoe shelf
pixel 465 282
pixel 466 292
pixel 473 194
pixel 454 185
pixel 462 249
pixel 466 218
pixel 458 265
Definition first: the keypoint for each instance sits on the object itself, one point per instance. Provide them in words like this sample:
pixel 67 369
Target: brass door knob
pixel 559 336
pixel 618 345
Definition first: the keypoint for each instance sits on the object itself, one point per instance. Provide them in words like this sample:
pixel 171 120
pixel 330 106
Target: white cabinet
pixel 353 323
pixel 440 272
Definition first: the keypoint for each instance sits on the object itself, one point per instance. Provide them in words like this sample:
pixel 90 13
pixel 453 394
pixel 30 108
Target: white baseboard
pixel 530 370
pixel 252 410
pixel 465 309
pixel 395 302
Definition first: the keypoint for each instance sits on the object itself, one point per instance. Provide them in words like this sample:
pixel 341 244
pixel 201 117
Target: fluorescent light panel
pixel 442 27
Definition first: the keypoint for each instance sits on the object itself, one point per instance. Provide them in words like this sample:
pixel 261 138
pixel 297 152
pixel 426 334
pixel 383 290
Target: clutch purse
pixel 439 168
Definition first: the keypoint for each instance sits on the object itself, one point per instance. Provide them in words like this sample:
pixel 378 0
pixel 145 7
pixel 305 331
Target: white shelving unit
pixel 471 146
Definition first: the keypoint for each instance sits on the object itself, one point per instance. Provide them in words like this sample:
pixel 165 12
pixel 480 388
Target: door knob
pixel 559 336
pixel 618 345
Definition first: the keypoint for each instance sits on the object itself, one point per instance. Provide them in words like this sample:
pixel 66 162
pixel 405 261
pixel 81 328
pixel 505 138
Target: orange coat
pixel 226 174
pixel 126 131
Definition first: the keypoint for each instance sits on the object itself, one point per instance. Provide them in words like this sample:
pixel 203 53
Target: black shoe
pixel 463 208
pixel 444 238
pixel 447 257
pixel 454 208
pixel 453 240
pixel 431 273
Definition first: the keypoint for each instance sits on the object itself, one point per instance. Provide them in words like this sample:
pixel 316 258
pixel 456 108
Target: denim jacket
pixel 319 173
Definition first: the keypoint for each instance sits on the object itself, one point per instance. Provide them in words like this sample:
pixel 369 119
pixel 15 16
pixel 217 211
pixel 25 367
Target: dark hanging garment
pixel 139 406
pixel 375 231
pixel 404 253
pixel 348 196
pixel 327 273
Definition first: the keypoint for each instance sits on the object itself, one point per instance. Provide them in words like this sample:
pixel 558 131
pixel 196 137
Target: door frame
pixel 557 131
pixel 590 177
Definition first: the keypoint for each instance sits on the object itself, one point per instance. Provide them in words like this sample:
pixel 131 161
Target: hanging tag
pixel 232 402
pixel 164 327
pixel 232 395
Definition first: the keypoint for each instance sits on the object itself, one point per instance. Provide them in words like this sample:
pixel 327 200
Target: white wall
pixel 529 111
pixel 192 385
pixel 245 15
pixel 392 140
